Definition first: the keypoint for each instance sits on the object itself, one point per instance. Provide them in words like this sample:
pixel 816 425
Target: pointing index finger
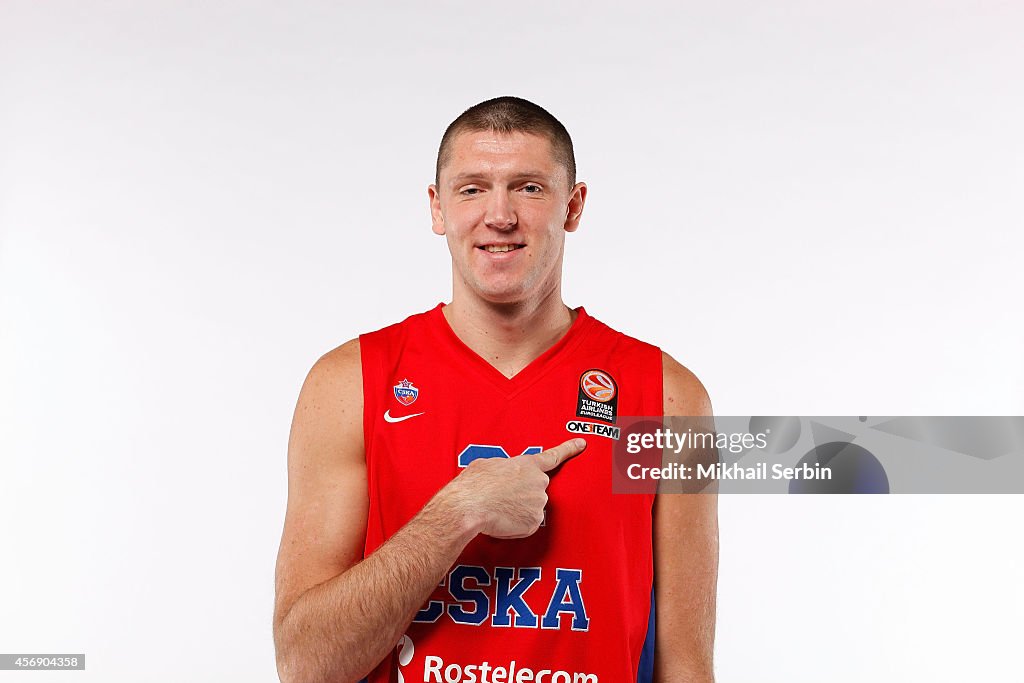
pixel 553 457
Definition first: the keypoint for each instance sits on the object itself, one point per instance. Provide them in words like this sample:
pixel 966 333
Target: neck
pixel 510 336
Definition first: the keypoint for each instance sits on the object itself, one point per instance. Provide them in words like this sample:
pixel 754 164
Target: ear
pixel 577 198
pixel 436 216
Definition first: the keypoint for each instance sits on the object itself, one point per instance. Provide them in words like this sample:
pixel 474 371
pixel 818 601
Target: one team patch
pixel 406 393
pixel 582 427
pixel 598 396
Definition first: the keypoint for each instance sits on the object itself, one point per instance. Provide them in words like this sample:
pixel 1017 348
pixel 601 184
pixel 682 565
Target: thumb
pixel 553 457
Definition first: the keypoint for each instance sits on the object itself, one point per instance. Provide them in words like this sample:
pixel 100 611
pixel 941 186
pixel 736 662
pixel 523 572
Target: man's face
pixel 504 204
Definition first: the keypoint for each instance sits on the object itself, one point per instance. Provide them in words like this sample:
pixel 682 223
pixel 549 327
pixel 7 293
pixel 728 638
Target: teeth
pixel 493 248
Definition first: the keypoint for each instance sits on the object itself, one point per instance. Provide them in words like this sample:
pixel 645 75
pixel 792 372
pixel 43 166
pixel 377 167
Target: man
pixel 429 535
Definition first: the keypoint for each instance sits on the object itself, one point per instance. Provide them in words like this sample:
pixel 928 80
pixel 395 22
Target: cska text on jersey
pixel 472 605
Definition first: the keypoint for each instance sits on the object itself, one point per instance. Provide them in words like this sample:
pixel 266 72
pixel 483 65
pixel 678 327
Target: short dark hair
pixel 510 115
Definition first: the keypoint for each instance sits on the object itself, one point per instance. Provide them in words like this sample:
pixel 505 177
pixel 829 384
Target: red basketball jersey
pixel 572 601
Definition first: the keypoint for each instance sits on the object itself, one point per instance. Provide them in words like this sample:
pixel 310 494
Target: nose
pixel 500 214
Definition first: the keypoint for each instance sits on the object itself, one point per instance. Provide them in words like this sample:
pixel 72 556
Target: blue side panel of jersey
pixel 645 672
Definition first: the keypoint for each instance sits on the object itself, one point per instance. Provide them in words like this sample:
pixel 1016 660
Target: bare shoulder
pixel 684 393
pixel 346 353
pixel 327 428
pixel 339 367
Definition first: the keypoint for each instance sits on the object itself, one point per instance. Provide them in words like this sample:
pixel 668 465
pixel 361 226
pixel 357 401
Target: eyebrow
pixel 462 177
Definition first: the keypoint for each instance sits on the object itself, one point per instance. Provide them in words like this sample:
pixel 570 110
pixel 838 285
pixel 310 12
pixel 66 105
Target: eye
pixel 532 188
pixel 469 191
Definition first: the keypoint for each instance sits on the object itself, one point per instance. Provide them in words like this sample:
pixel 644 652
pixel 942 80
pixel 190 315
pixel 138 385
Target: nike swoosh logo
pixel 388 418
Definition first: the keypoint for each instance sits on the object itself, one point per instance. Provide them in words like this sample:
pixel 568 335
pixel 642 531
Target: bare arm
pixel 336 615
pixel 685 557
pixel 342 628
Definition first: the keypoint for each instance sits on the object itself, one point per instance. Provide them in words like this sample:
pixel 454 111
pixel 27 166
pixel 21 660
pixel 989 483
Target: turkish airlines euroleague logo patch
pixel 598 396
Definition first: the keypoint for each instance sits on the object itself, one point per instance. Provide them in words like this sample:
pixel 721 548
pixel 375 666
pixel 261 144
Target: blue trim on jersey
pixel 645 672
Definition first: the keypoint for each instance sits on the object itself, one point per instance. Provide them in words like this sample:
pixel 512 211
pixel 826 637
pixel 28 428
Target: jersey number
pixel 475 450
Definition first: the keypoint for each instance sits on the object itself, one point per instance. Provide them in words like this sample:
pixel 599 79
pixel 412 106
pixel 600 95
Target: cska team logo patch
pixel 406 393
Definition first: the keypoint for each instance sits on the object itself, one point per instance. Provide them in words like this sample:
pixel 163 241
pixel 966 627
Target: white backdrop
pixel 816 206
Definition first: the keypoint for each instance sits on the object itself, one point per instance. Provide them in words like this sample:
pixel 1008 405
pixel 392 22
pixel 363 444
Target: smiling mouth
pixel 500 248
